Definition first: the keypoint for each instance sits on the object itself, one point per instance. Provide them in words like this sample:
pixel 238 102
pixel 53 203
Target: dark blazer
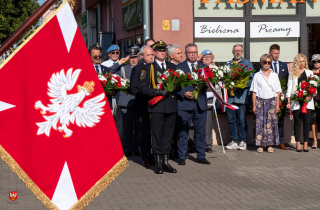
pixel 186 104
pixel 283 70
pixel 167 105
pixel 141 101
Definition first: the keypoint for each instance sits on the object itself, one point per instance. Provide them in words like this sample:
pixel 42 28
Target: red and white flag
pixel 57 132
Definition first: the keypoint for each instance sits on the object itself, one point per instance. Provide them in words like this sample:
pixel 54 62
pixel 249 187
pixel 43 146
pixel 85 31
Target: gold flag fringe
pixel 26 179
pixel 116 170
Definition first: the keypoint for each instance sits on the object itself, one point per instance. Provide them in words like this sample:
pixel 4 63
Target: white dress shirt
pixel 160 63
pixel 99 66
pixel 195 64
pixel 277 64
pixel 109 63
pixel 292 87
pixel 266 88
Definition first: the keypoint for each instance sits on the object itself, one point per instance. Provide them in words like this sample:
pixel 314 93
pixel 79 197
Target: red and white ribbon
pixel 225 104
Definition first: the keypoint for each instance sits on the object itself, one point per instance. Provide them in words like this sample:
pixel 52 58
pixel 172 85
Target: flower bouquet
pixel 304 89
pixel 283 99
pixel 240 76
pixel 201 78
pixel 169 80
pixel 111 82
pixel 225 76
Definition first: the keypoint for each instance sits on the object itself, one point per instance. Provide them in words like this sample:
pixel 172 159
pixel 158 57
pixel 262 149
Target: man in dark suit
pixel 141 114
pixel 190 109
pixel 125 110
pixel 163 113
pixel 95 55
pixel 281 69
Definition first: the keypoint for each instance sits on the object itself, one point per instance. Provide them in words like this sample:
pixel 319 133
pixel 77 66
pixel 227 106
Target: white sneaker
pixel 243 145
pixel 232 145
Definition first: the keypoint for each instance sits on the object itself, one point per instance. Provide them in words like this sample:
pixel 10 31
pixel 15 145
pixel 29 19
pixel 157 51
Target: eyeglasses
pixel 238 51
pixel 315 61
pixel 97 56
pixel 192 53
pixel 269 63
pixel 113 52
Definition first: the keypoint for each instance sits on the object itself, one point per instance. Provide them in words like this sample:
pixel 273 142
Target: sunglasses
pixel 97 56
pixel 113 52
pixel 269 63
pixel 315 61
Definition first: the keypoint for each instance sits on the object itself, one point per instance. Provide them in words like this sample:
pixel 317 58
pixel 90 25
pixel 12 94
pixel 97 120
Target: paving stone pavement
pixel 235 180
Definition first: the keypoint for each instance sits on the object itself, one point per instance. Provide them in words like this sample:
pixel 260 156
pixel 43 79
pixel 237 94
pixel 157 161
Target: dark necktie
pixel 162 66
pixel 192 67
pixel 97 69
pixel 275 67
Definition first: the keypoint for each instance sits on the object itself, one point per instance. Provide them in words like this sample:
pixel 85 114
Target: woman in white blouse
pixel 266 89
pixel 299 73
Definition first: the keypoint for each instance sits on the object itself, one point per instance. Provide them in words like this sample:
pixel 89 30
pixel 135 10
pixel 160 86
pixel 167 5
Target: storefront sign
pixel 274 29
pixel 131 14
pixel 219 29
pixel 255 1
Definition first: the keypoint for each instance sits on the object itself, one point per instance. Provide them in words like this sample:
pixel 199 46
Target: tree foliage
pixel 13 13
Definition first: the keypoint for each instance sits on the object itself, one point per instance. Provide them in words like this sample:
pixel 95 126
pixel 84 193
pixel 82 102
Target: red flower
pixel 241 64
pixel 304 84
pixel 312 90
pixel 170 70
pixel 246 65
pixel 239 69
pixel 280 104
pixel 188 74
pixel 310 78
pixel 300 94
pixel 249 68
pixel 189 77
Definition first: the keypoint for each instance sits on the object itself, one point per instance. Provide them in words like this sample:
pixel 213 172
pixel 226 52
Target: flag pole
pixel 25 26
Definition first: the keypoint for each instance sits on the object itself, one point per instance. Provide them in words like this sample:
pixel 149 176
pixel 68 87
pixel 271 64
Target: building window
pixel 289 48
pixel 220 47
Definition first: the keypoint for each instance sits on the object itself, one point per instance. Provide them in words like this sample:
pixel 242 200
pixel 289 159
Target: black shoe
pixel 158 169
pixel 299 150
pixel 203 161
pixel 209 150
pixel 305 150
pixel 166 166
pixel 181 162
pixel 128 154
pixel 136 154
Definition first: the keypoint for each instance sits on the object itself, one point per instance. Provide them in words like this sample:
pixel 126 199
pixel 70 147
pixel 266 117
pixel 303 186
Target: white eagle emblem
pixel 66 107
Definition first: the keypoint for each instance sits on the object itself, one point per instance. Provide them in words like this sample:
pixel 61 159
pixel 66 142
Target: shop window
pixel 314 39
pixel 289 48
pixel 267 8
pixel 222 9
pixel 220 47
pixel 313 8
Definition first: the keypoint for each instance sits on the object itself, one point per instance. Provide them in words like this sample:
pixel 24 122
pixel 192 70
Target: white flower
pixel 180 72
pixel 220 73
pixel 212 66
pixel 123 82
pixel 215 68
pixel 216 87
pixel 315 77
pixel 102 78
pixel 314 83
pixel 282 97
pixel 226 69
pixel 232 83
pixel 194 76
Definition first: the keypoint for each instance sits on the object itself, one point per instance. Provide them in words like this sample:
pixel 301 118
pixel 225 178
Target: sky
pixel 41 2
